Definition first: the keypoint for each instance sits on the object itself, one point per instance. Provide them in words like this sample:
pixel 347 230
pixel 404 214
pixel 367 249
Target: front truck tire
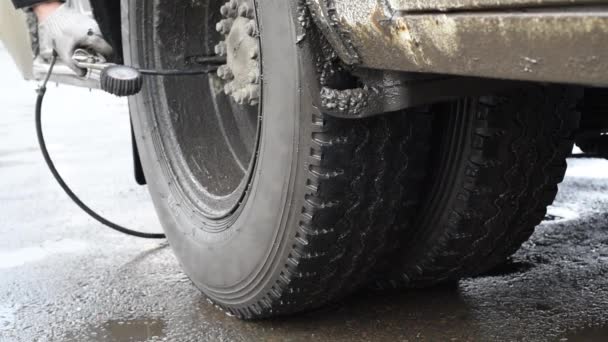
pixel 320 195
pixel 500 160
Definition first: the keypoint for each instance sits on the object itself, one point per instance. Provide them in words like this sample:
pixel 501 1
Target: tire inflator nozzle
pixel 119 80
pixel 123 80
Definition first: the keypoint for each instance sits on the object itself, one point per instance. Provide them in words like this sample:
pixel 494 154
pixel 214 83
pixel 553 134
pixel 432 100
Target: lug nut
pixel 254 76
pixel 220 49
pixel 239 97
pixel 224 26
pixel 227 11
pixel 228 89
pixel 246 96
pixel 253 91
pixel 253 94
pixel 254 53
pixel 245 11
pixel 234 4
pixel 251 29
pixel 225 73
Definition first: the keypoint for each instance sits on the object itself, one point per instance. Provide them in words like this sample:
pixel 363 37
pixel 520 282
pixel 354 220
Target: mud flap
pixel 138 169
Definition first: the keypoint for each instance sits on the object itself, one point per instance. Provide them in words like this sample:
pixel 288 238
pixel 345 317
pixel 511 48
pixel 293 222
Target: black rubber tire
pixel 325 192
pixel 500 161
pixel 595 147
pixel 594 110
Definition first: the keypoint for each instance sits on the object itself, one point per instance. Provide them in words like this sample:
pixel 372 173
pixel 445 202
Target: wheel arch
pixel 108 15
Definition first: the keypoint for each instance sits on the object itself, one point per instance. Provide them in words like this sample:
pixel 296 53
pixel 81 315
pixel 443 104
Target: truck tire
pixel 320 194
pixel 593 136
pixel 499 163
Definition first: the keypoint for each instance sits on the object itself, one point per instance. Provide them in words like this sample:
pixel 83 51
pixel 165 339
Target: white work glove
pixel 67 30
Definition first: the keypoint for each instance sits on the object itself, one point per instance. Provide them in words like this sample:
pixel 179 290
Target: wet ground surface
pixel 65 278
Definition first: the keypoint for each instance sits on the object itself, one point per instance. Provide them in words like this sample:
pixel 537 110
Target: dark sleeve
pixel 26 3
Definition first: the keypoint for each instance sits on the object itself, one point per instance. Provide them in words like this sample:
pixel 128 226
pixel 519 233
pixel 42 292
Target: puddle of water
pixel 593 334
pixel 27 255
pixel 560 214
pixel 128 330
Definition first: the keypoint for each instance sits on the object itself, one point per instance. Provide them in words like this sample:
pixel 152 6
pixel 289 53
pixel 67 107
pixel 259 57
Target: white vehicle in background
pixel 348 142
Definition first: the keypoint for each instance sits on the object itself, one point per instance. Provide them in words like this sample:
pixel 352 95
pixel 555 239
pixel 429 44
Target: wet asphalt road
pixel 65 278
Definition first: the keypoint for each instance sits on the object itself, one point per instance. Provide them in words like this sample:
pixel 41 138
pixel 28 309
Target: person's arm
pixel 30 3
pixel 44 9
pixel 66 30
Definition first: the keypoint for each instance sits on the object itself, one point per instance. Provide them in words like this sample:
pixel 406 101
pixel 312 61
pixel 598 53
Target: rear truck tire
pixel 500 159
pixel 593 133
pixel 316 197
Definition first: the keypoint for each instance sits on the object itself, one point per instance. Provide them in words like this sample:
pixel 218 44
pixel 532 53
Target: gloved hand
pixel 68 30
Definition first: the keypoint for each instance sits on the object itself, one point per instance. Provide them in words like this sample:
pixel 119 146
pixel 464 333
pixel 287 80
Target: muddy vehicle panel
pixel 340 144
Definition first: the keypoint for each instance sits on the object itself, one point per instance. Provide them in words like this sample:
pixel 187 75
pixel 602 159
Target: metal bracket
pixel 384 92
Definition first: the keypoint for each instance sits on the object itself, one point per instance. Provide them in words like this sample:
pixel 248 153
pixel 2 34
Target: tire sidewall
pixel 239 263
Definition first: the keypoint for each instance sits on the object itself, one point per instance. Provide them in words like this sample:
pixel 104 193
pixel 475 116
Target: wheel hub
pixel 241 73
